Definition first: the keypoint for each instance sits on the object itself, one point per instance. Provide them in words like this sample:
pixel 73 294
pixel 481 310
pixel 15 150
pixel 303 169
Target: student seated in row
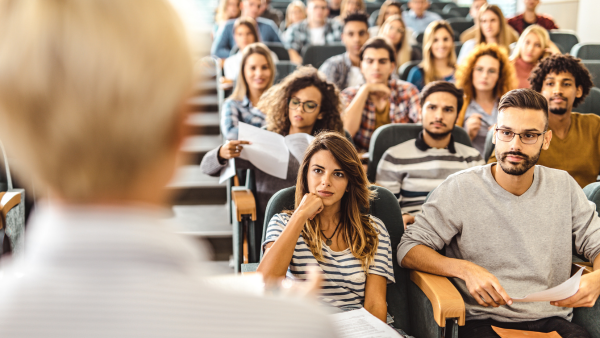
pixel 471 33
pixel 530 17
pixel 304 102
pixel 399 37
pixel 414 168
pixel 387 9
pixel 508 230
pixel 439 56
pixel 295 12
pixel 381 100
pixel 418 17
pixel 485 77
pixel 257 75
pixel 329 229
pixel 565 82
pixel 533 46
pixel 344 69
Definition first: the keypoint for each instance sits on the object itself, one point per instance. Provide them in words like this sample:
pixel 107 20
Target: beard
pixel 517 169
pixel 558 111
pixel 438 136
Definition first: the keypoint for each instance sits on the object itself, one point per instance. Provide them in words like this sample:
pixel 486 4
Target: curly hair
pixel 358 230
pixel 507 80
pixel 562 63
pixel 274 102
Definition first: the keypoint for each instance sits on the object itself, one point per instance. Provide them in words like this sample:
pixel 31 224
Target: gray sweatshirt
pixel 525 241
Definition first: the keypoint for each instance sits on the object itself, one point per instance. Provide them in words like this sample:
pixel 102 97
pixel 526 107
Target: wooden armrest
pixel 588 267
pixel 244 203
pixel 8 200
pixel 445 299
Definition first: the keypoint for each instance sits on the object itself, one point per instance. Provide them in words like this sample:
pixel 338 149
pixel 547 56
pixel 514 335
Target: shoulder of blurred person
pixel 336 69
pixel 273 14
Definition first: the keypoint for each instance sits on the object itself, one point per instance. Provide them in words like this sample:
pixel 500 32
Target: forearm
pixel 278 256
pixel 353 114
pixel 295 56
pixel 596 263
pixel 425 259
pixel 378 310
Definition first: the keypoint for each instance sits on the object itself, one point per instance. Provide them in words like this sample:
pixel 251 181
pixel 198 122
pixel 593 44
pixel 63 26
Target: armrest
pixel 588 267
pixel 244 202
pixel 8 200
pixel 445 300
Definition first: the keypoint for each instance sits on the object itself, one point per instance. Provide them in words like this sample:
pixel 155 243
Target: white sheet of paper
pixel 361 324
pixel 297 144
pixel 228 171
pixel 559 292
pixel 267 151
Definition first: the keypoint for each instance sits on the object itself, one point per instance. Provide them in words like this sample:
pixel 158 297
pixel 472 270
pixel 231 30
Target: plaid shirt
pixel 519 24
pixel 235 111
pixel 404 108
pixel 298 35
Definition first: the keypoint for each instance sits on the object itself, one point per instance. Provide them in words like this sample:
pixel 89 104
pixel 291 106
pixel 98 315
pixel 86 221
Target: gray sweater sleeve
pixel 438 223
pixel 586 224
pixel 210 164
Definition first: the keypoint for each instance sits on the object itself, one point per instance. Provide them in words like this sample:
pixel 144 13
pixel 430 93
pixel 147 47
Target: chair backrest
pixel 592 192
pixel 457 46
pixel 283 69
pixel 489 146
pixel 372 6
pixel 594 67
pixel 279 50
pixel 461 10
pixel 586 51
pixel 459 25
pixel 420 37
pixel 564 38
pixel 385 207
pixel 450 15
pixel 406 67
pixel 316 55
pixel 373 18
pixel 449 6
pixel 591 104
pixel 390 135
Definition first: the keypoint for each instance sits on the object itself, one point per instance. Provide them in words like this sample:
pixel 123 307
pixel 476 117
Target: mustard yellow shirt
pixel 382 117
pixel 578 153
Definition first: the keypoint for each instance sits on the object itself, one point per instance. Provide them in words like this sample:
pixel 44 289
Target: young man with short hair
pixel 414 168
pixel 316 29
pixel 418 17
pixel 98 117
pixel 508 229
pixel 381 100
pixel 565 82
pixel 223 42
pixel 530 17
pixel 344 69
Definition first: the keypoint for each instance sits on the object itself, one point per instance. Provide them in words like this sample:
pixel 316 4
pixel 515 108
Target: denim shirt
pixel 417 24
pixel 235 111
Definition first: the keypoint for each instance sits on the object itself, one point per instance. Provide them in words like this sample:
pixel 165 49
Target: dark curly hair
pixel 558 63
pixel 274 102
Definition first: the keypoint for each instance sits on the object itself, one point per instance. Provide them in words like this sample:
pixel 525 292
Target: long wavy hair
pixel 343 11
pixel 241 86
pixel 381 17
pixel 507 79
pixel 274 102
pixel 403 48
pixel 356 228
pixel 504 35
pixel 428 64
pixel 542 34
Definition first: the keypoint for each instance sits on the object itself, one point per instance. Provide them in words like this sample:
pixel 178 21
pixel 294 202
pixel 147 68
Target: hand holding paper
pixel 562 291
pixel 586 296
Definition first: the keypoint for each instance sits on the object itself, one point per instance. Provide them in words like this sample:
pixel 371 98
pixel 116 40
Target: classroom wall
pixel 588 25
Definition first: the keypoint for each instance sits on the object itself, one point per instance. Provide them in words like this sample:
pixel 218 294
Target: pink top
pixel 523 70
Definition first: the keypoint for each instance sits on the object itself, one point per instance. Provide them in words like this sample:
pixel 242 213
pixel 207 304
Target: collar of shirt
pixel 347 60
pixel 247 103
pixel 422 146
pixel 412 14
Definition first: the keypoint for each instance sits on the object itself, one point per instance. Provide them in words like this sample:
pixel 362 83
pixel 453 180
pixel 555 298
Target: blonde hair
pixel 403 48
pixel 540 31
pixel 241 86
pixel 356 227
pixel 504 36
pixel 291 7
pixel 384 7
pixel 343 12
pixel 90 95
pixel 429 72
pixel 221 15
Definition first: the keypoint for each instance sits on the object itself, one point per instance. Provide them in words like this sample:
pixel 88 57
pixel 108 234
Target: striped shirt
pixel 410 170
pixel 119 272
pixel 344 279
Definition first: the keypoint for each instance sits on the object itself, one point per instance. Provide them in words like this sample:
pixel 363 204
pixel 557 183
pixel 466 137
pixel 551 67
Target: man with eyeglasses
pixel 508 229
pixel 411 169
pixel 382 99
pixel 565 82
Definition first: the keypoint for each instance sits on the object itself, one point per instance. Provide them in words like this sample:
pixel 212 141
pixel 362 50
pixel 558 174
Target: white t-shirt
pixel 317 36
pixel 355 77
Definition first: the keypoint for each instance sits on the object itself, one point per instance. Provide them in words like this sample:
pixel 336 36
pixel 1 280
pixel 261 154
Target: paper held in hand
pixel 360 323
pixel 268 151
pixel 560 292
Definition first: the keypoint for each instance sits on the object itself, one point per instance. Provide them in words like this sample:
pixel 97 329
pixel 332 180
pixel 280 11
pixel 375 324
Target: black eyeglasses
pixel 307 106
pixel 527 138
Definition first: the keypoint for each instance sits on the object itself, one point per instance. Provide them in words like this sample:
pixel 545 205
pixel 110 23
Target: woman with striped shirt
pixel 329 228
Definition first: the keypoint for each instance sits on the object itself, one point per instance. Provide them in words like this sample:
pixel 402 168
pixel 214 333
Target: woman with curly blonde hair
pixel 485 76
pixel 331 229
pixel 304 102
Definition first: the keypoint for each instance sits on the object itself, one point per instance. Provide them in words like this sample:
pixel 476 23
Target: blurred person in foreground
pixel 98 121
